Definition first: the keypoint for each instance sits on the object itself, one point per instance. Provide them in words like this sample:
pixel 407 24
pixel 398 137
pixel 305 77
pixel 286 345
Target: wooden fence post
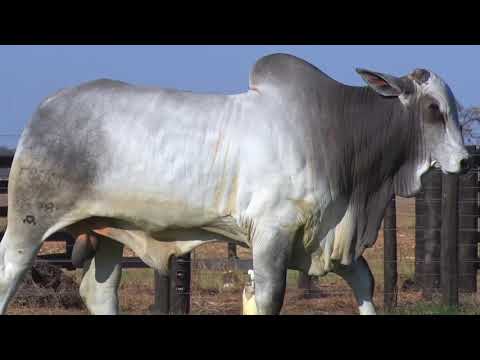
pixel 467 228
pixel 431 233
pixel 69 243
pixel 232 252
pixel 180 273
pixel 419 239
pixel 4 188
pixel 390 256
pixel 161 305
pixel 303 280
pixel 172 290
pixel 449 234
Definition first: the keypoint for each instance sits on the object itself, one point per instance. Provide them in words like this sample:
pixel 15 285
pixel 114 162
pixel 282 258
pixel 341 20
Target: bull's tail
pixel 84 249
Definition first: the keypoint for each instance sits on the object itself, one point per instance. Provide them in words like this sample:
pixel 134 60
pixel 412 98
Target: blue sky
pixel 30 73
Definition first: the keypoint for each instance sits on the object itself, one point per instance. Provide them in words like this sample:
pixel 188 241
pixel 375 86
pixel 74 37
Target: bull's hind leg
pixel 17 253
pixel 101 278
pixel 360 279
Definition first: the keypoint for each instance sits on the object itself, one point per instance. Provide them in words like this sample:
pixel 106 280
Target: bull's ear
pixel 385 85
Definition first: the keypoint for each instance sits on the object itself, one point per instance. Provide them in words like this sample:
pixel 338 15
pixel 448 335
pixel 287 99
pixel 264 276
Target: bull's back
pixel 149 148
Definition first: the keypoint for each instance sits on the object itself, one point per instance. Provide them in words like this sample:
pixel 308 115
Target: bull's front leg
pixel 360 279
pixel 270 255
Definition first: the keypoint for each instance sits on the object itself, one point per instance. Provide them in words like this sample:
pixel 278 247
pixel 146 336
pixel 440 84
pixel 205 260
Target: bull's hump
pixel 281 70
pixel 103 83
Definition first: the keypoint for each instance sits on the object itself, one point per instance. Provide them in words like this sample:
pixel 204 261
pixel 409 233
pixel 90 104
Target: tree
pixel 470 123
pixel 5 151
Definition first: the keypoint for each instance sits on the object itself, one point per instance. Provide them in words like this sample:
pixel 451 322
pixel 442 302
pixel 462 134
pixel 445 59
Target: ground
pixel 210 297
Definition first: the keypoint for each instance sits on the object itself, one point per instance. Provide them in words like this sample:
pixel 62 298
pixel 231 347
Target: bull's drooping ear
pixel 385 85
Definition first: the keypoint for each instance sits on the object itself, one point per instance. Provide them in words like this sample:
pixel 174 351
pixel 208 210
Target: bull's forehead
pixel 440 91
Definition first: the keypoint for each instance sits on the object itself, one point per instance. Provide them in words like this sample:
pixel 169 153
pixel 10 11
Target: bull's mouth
pixel 461 171
pixel 435 164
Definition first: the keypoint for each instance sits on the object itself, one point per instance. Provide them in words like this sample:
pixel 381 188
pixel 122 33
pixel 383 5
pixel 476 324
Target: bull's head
pixel 432 103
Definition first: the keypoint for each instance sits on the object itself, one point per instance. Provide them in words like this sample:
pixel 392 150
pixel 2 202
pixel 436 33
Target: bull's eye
pixel 434 115
pixel 437 115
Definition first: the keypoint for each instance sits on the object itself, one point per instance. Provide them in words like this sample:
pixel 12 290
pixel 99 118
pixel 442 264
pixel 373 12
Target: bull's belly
pixel 163 218
pixel 151 215
pixel 155 249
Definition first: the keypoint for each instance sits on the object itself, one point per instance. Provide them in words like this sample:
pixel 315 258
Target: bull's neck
pixel 385 139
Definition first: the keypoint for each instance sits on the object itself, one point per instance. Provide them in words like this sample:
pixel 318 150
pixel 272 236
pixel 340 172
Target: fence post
pixel 161 305
pixel 419 239
pixel 6 160
pixel 69 244
pixel 390 256
pixel 431 233
pixel 449 235
pixel 303 280
pixel 180 273
pixel 4 190
pixel 467 228
pixel 232 252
